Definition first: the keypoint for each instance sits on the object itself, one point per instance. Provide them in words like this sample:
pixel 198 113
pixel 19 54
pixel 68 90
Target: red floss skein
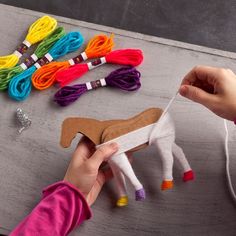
pixel 132 57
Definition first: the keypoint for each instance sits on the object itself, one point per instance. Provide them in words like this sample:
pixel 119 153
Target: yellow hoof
pixel 167 184
pixel 122 201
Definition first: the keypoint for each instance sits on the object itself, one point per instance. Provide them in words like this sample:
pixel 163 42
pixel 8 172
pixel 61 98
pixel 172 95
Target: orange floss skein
pixel 98 46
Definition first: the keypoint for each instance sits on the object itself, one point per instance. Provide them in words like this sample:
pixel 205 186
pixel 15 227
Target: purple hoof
pixel 140 194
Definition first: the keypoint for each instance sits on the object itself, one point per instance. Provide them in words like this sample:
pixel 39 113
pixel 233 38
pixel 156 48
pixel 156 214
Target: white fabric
pixel 164 147
pixel 180 157
pixel 162 135
pixel 140 136
pixel 119 180
pixel 121 161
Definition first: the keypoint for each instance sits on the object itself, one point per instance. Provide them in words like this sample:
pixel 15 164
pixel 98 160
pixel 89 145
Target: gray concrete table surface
pixel 34 159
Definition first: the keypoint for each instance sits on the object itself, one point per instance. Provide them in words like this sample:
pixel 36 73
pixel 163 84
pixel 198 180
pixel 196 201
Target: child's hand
pixel 83 171
pixel 214 88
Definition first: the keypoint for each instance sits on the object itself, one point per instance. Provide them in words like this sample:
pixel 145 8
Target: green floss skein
pixel 7 74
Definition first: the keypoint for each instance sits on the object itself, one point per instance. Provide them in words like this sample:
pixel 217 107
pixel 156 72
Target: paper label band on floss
pixel 29 61
pixel 81 57
pixel 96 84
pixel 96 63
pixel 44 60
pixel 23 66
pixel 22 48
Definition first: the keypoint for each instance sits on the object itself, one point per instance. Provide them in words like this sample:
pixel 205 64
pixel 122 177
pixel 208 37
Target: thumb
pixel 197 95
pixel 102 154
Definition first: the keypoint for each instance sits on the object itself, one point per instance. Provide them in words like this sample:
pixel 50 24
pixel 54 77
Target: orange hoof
pixel 167 184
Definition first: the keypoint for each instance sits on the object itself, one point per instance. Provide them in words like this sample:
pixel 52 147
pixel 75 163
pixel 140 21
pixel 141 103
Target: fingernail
pixel 183 90
pixel 114 146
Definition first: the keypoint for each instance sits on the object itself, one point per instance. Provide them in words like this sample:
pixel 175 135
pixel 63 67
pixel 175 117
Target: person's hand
pixel 83 171
pixel 214 88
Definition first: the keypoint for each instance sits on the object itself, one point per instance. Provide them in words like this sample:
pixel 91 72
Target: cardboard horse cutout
pixel 151 127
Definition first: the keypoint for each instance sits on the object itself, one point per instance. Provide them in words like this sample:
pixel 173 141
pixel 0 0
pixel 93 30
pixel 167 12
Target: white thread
pixel 156 125
pixel 229 181
pixel 23 66
pixel 168 105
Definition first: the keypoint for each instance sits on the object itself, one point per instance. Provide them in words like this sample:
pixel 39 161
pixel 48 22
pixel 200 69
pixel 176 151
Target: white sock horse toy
pixel 151 127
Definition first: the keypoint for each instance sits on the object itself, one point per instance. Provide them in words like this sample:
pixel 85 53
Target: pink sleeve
pixel 61 209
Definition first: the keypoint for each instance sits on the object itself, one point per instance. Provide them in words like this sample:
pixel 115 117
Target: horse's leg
pixel 120 184
pixel 180 156
pixel 122 162
pixel 164 146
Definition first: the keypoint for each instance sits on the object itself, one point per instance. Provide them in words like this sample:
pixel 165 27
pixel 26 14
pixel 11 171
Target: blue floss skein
pixel 20 86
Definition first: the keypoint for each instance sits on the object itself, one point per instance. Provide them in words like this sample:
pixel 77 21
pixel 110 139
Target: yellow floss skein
pixel 39 30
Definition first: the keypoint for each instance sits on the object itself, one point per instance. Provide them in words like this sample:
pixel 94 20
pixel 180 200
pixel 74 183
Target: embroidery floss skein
pixel 20 85
pixel 7 74
pixel 132 57
pixel 98 46
pixel 40 29
pixel 125 78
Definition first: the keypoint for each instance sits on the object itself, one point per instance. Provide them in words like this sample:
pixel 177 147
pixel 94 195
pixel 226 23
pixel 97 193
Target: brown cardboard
pixel 102 131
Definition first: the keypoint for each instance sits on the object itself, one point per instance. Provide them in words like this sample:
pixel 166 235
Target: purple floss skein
pixel 125 78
